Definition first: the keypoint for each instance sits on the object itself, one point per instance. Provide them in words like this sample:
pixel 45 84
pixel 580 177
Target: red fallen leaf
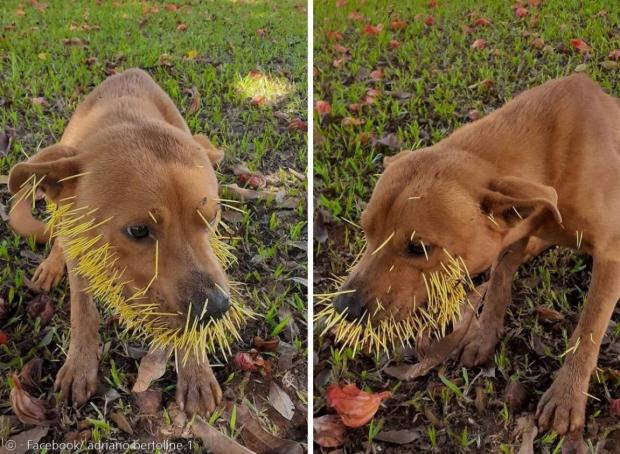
pixel 266 345
pixel 171 7
pixel 355 407
pixel 534 3
pixel 323 107
pixel 357 16
pixel 28 409
pixel 3 338
pixel 546 314
pixel 261 31
pixel 580 45
pixel 297 124
pixel 480 43
pixel 182 27
pixel 340 48
pixel 372 30
pixel 538 43
pixel 329 431
pixel 614 54
pixel 355 107
pixel 350 121
pixel 432 3
pixel 334 35
pixel 377 74
pixel 520 11
pixel 244 361
pixel 338 62
pixel 398 24
pixel 394 44
pixel 615 406
pixel 430 20
pixel 482 22
pixel 341 3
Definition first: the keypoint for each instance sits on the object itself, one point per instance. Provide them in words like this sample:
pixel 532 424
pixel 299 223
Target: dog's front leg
pixel 198 391
pixel 480 341
pixel 77 379
pixel 563 406
pixel 49 273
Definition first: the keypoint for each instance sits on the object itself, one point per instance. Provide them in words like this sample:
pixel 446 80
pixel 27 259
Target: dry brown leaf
pixel 259 440
pixel 121 422
pixel 29 409
pixel 329 431
pixel 399 437
pixel 195 104
pixel 22 442
pixel 30 375
pixel 215 441
pixel 281 401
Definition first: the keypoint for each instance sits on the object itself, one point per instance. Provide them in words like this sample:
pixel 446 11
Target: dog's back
pixel 129 97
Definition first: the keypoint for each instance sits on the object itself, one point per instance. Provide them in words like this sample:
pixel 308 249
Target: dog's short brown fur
pixel 532 174
pixel 135 154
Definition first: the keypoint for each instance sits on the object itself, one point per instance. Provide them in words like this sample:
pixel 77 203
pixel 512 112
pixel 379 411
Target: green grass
pixel 247 61
pixel 431 82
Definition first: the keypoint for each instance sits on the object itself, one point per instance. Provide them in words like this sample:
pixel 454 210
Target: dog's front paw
pixel 479 345
pixel 198 391
pixel 77 379
pixel 49 273
pixel 563 406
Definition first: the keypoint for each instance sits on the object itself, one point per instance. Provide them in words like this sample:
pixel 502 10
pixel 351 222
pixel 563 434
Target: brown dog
pixel 542 170
pixel 136 162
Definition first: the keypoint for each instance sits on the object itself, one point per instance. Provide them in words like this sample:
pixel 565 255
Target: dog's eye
pixel 418 249
pixel 138 232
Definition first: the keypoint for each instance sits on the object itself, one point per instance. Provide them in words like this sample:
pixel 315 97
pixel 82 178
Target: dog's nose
pixel 349 302
pixel 209 304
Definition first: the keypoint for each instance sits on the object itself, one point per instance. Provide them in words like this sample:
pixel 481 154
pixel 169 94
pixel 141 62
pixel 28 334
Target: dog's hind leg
pixel 77 379
pixel 478 345
pixel 51 270
pixel 563 406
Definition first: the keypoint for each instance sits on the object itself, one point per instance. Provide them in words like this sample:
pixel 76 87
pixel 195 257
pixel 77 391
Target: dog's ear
pixel 514 203
pixel 52 166
pixel 389 160
pixel 215 154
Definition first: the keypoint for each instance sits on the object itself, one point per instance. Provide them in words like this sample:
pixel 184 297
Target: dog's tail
pixel 23 222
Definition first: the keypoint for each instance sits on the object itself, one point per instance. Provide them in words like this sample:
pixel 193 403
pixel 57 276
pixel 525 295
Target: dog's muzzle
pixel 209 304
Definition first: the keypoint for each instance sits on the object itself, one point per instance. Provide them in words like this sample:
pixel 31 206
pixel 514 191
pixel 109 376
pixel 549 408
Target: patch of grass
pixel 215 59
pixel 408 86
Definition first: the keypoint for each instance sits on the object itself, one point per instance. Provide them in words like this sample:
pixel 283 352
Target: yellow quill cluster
pixel 96 262
pixel 446 291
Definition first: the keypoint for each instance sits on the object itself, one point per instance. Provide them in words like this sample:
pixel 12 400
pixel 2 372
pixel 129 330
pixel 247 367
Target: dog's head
pixel 430 208
pixel 154 200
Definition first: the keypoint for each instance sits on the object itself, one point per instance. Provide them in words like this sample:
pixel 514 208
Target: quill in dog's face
pixel 159 192
pixel 426 208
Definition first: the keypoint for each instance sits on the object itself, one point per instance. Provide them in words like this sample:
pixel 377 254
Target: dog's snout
pixel 350 303
pixel 209 304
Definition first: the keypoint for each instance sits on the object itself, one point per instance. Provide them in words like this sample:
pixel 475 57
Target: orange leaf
pixel 614 54
pixel 534 3
pixel 397 24
pixel 341 49
pixel 258 100
pixel 355 407
pixel 341 3
pixel 3 338
pixel 377 74
pixel 432 3
pixel 580 46
pixel 546 314
pixel 356 15
pixel 482 22
pixel 394 44
pixel 538 43
pixel 430 20
pixel 171 7
pixel 334 35
pixel 372 30
pixel 181 27
pixel 261 31
pixel 323 107
pixel 480 43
